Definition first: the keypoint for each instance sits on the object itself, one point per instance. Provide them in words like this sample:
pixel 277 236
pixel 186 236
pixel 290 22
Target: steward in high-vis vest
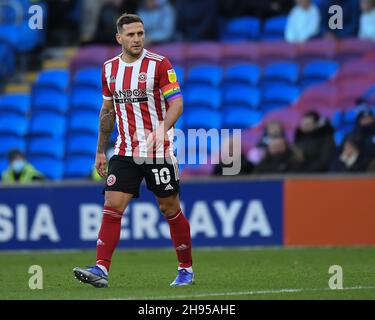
pixel 19 170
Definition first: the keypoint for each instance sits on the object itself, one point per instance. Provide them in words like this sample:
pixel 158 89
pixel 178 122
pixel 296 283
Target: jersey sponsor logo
pixel 131 96
pixel 142 78
pixel 172 76
pixel 111 180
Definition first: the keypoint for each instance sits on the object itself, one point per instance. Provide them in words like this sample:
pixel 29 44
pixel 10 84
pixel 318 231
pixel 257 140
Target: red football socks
pixel 109 236
pixel 180 233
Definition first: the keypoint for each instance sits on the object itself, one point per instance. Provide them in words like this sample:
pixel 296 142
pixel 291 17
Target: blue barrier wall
pixel 221 214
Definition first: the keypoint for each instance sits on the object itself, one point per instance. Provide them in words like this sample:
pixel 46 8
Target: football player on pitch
pixel 140 93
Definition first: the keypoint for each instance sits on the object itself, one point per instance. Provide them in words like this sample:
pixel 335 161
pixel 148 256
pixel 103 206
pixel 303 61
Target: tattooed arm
pixel 106 124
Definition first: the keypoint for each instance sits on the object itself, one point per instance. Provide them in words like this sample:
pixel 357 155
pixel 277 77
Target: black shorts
pixel 125 175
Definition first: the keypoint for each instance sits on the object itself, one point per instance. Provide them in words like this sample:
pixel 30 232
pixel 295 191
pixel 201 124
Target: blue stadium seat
pixel 46 146
pixel 241 29
pixel 13 123
pixel 81 144
pixel 79 166
pixel 46 99
pixel 17 102
pixel 55 78
pixel 3 164
pixel 8 143
pixel 9 33
pixel 52 168
pixel 7 57
pixel 203 96
pixel 205 74
pixel 48 124
pixel 86 98
pixel 240 117
pixel 242 95
pixel 274 28
pixel 205 118
pixel 180 73
pixel 88 77
pixel 287 72
pixel 243 73
pixel 274 97
pixel 337 119
pixel 317 71
pixel 84 122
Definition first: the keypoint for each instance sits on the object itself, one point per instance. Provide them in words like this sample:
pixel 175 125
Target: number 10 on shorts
pixel 162 176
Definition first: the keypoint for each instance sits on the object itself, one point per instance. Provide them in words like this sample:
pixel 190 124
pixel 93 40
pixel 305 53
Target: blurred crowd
pixel 313 149
pixel 195 20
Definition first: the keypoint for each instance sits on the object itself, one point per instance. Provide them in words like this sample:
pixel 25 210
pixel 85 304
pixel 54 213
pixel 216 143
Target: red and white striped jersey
pixel 140 92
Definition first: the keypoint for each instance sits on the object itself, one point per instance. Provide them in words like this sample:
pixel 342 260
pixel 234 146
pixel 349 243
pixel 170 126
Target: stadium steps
pixel 56 64
pixel 17 88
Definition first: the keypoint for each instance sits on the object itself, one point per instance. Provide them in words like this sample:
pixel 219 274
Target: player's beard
pixel 132 54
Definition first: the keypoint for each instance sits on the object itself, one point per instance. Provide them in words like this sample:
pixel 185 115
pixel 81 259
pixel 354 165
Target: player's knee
pixel 168 208
pixel 114 203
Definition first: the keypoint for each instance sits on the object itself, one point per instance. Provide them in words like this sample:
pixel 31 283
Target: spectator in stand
pixel 351 157
pixel 280 158
pixel 197 19
pixel 351 13
pixel 19 170
pixel 246 166
pixel 367 20
pixel 273 128
pixel 159 20
pixel 365 129
pixel 314 137
pixel 106 25
pixel 268 8
pixel 303 22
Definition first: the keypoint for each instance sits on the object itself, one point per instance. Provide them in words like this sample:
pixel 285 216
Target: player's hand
pixel 156 138
pixel 101 164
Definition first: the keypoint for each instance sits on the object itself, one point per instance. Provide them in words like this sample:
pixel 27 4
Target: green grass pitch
pixel 252 273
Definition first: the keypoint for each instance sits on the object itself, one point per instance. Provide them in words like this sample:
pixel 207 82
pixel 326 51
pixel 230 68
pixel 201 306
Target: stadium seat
pixel 46 99
pixel 337 119
pixel 241 29
pixel 240 117
pixel 356 70
pixel 272 51
pixel 204 96
pixel 8 143
pixel 203 53
pixel 316 49
pixel 180 73
pixel 86 98
pixel 3 164
pixel 79 166
pixel 274 28
pixel 287 72
pixel 278 96
pixel 7 57
pixel 318 96
pixel 80 144
pixel 239 53
pixel 50 167
pixel 89 77
pixel 55 78
pixel 243 73
pixel 317 71
pixel 241 95
pixel 352 48
pixel 205 118
pixel 9 34
pixel 174 51
pixel 48 124
pixel 205 74
pixel 13 123
pixel 19 103
pixel 46 146
pixel 84 122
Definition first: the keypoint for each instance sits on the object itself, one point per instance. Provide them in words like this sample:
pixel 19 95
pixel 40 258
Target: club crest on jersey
pixel 142 77
pixel 172 76
pixel 111 180
pixel 112 79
